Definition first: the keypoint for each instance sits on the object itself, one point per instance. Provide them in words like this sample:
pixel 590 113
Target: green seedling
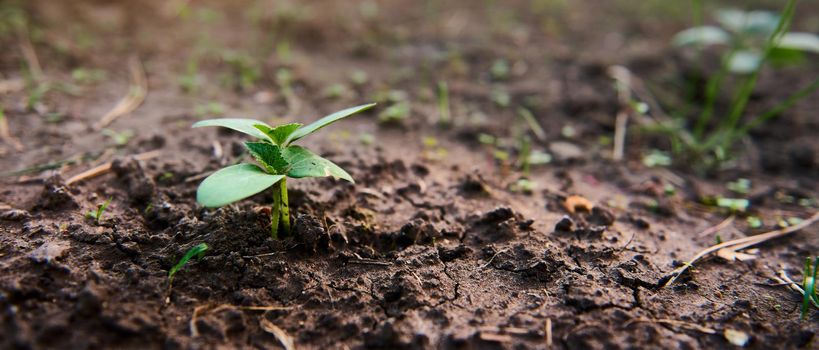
pixel 198 251
pixel 523 185
pixel 500 69
pixel 532 123
pixel 366 139
pixel 88 75
pixel 244 68
pixel 656 158
pixel 97 214
pixel 568 131
pixel 210 109
pixel 486 139
pixel 741 186
pixel 444 112
pixel 809 286
pixel 359 77
pixel 500 97
pixel 278 159
pixel 189 80
pixel 335 91
pixel 733 204
pixel 119 138
pixel 754 222
pixel 395 113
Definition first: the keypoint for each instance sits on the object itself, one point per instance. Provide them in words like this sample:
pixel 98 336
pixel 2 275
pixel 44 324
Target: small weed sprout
pixel 198 251
pixel 278 159
pixel 97 214
pixel 809 285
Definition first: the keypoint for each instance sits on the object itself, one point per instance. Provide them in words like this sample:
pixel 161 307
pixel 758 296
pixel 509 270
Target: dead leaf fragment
pixel 284 338
pixel 577 203
pixel 738 338
pixel 494 337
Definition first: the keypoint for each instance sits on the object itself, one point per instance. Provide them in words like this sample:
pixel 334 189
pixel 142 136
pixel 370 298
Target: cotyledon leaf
pixel 234 183
pixel 280 133
pixel 318 124
pixel 246 126
pixel 269 155
pixel 304 163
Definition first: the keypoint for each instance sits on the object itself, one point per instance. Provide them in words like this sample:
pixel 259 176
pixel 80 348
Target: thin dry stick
pixel 621 126
pixel 741 243
pixel 106 167
pixel 549 332
pixel 136 95
pixel 719 227
pixel 5 135
pixel 786 280
pixel 30 56
pixel 11 85
pixel 676 323
pixel 211 308
pixel 622 77
pixel 287 341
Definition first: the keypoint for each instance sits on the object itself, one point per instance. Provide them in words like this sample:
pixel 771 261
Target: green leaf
pixel 744 62
pixel 703 35
pixel 269 155
pixel 304 163
pixel 234 183
pixel 799 41
pixel 280 133
pixel 318 124
pixel 247 126
pixel 198 251
pixel 760 23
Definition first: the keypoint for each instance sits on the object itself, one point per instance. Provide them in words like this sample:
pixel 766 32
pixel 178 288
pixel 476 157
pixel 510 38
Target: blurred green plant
pixel 753 39
pixel 197 251
pixel 810 295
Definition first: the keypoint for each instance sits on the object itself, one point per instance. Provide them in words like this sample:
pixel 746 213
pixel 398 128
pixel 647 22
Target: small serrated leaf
pixel 269 156
pixel 280 133
pixel 304 163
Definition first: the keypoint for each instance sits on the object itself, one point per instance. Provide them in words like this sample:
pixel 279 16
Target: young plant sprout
pixel 97 214
pixel 278 158
pixel 811 295
pixel 197 251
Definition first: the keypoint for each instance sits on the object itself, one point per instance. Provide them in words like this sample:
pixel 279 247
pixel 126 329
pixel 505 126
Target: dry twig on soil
pixel 202 310
pixel 675 323
pixel 106 167
pixel 733 246
pixel 719 227
pixel 287 341
pixel 136 95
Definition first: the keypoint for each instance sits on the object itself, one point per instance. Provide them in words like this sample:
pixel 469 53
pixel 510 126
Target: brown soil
pixel 430 248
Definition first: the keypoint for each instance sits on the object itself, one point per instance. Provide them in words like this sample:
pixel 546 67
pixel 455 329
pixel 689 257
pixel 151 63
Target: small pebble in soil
pixel 565 224
pixel 14 215
pixel 600 216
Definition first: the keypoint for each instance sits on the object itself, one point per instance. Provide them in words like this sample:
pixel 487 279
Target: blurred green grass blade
pixel 198 251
